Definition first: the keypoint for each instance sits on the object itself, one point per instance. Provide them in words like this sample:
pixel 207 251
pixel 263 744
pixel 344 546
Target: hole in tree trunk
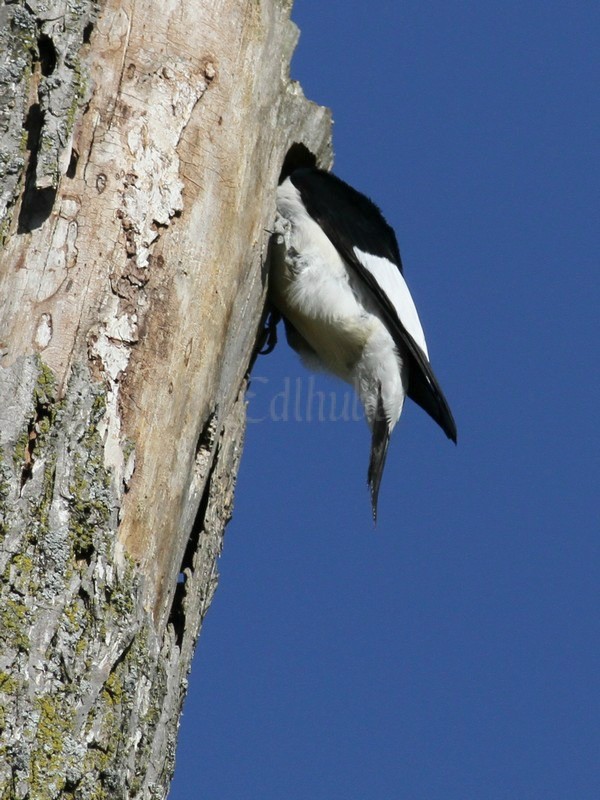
pixel 297 156
pixel 47 53
pixel 87 32
pixel 72 170
pixel 37 204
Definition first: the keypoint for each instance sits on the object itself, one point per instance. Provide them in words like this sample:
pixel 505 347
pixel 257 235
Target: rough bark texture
pixel 140 147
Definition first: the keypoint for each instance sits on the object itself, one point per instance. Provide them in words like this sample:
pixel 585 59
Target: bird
pixel 337 280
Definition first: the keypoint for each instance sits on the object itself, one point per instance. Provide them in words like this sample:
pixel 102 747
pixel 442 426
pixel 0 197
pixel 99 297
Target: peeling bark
pixel 140 147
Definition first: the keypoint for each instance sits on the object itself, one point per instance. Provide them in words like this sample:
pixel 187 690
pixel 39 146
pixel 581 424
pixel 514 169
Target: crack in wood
pixel 204 450
pixel 41 416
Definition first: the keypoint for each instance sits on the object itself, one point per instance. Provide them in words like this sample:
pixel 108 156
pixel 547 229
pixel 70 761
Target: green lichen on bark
pixel 52 740
pixel 43 76
pixel 14 624
pixel 17 45
pixel 63 91
pixel 4 495
pixel 88 513
pixel 89 690
pixel 62 590
pixel 84 724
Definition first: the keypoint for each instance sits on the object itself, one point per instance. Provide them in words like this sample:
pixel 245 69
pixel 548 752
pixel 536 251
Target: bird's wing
pixel 359 232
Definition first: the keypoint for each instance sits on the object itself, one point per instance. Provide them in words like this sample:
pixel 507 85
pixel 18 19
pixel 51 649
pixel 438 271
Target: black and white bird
pixel 336 278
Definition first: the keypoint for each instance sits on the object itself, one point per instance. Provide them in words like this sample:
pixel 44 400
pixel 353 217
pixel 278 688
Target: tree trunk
pixel 140 147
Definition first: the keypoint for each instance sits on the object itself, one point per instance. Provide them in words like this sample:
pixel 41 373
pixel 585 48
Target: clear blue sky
pixel 453 652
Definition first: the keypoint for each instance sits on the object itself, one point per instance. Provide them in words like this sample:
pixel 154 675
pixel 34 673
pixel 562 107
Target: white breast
pixel 332 309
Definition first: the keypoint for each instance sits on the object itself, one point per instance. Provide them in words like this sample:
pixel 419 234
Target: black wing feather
pixel 350 220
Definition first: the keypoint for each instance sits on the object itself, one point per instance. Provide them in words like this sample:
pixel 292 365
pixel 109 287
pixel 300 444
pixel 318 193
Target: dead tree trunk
pixel 140 147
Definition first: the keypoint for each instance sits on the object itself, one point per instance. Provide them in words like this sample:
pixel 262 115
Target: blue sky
pixel 453 652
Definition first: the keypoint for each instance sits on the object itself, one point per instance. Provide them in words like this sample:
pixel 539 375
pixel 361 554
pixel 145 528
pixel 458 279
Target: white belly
pixel 319 302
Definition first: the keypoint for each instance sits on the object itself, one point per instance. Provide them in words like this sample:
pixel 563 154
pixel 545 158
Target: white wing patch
pixel 392 283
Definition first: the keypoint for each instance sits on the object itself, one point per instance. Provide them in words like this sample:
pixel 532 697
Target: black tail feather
pixel 379 447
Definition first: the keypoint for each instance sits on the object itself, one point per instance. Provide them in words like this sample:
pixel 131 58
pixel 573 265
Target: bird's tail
pixel 379 446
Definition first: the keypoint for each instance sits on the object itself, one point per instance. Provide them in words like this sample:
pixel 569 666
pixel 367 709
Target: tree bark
pixel 140 147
